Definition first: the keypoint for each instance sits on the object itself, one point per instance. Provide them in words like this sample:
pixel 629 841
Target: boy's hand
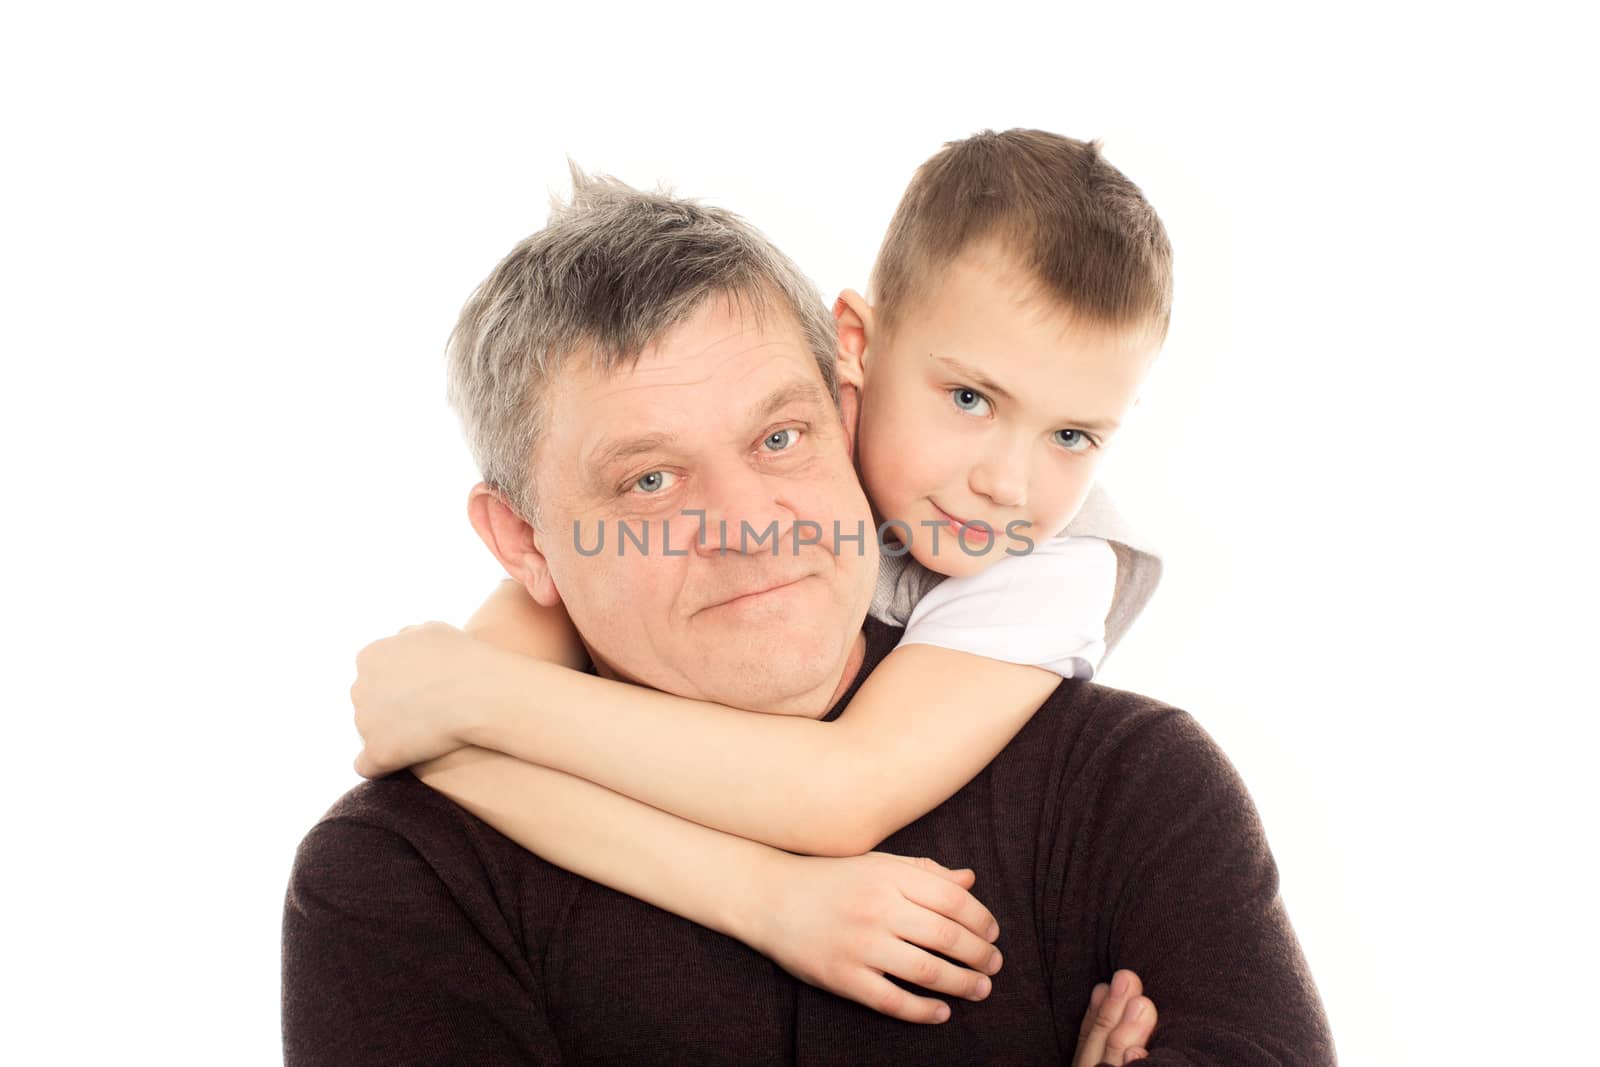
pixel 412 695
pixel 843 923
pixel 1118 1024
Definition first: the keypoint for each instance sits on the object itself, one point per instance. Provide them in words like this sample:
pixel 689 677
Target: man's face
pixel 983 406
pixel 731 418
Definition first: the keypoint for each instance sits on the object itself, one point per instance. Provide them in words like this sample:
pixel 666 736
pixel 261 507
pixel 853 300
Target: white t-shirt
pixel 1045 609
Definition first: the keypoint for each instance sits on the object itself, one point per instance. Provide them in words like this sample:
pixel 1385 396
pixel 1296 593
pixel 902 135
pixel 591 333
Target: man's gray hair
pixel 613 269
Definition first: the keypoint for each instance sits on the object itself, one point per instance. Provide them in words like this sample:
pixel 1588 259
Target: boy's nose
pixel 1003 479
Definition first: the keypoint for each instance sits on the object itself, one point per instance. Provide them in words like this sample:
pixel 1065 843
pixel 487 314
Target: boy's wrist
pixel 743 891
pixel 752 897
pixel 506 688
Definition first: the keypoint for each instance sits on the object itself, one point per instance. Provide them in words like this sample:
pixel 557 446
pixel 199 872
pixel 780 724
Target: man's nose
pixel 1001 473
pixel 742 512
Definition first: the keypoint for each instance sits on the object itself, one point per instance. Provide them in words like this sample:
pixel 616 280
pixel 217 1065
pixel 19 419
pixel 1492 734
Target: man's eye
pixel 1074 440
pixel 653 482
pixel 970 400
pixel 782 440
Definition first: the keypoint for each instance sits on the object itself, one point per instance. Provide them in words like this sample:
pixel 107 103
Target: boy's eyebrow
pixel 989 385
pixel 628 447
pixel 976 377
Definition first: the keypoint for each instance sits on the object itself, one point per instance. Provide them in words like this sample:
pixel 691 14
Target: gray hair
pixel 613 269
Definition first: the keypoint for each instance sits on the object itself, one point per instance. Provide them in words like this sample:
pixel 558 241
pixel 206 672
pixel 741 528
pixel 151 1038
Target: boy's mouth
pixel 962 527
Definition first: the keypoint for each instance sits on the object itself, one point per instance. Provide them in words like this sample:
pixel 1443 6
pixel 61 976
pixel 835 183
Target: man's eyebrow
pixel 989 385
pixel 808 393
pixel 628 447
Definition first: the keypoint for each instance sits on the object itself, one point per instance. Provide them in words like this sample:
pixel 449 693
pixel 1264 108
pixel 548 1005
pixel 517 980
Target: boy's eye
pixel 1074 440
pixel 652 483
pixel 970 400
pixel 781 440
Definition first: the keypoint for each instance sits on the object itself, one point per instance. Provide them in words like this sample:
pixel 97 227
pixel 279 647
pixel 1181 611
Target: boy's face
pixel 987 405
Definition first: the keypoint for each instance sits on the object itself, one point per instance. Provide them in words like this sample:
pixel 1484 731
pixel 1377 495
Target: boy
pixel 1020 297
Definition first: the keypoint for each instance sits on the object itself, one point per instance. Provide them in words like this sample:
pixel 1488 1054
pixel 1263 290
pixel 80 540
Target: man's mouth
pixel 753 594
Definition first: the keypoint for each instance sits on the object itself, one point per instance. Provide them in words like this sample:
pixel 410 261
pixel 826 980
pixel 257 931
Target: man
pixel 1109 834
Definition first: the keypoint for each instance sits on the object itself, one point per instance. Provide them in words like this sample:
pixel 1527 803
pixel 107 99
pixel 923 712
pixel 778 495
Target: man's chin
pixel 779 677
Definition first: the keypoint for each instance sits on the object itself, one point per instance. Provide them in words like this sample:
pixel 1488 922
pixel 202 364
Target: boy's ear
pixel 852 319
pixel 513 542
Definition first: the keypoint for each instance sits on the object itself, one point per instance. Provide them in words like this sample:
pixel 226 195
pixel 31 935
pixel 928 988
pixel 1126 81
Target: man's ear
pixel 513 542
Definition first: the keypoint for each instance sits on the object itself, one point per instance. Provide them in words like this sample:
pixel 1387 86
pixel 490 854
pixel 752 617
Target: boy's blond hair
pixel 1076 224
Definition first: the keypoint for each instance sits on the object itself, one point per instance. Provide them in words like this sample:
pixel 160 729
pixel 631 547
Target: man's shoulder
pixel 397 803
pixel 395 823
pixel 1089 712
pixel 1091 733
pixel 397 797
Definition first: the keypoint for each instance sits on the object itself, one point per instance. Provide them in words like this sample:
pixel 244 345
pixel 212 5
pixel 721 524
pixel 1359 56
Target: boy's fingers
pixel 883 996
pixel 922 927
pixel 964 876
pixel 954 901
pixel 924 969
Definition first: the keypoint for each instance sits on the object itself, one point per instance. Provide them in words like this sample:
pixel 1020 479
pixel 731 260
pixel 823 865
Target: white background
pixel 235 238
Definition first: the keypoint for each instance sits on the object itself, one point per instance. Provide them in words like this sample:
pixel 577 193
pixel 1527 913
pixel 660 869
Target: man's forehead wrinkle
pixel 636 379
pixel 645 422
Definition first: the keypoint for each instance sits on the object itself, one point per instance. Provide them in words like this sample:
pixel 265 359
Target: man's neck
pixel 852 667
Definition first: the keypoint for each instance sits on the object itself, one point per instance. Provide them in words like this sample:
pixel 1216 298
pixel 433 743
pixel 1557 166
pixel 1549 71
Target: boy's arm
pixel 909 679
pixel 978 656
pixel 839 924
pixel 707 877
pixel 921 726
pixel 910 738
pixel 510 619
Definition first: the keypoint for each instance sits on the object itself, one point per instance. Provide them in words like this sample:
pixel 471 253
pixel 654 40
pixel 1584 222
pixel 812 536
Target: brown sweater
pixel 1110 833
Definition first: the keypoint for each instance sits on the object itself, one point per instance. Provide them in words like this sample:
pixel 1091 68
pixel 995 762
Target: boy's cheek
pixel 1071 500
